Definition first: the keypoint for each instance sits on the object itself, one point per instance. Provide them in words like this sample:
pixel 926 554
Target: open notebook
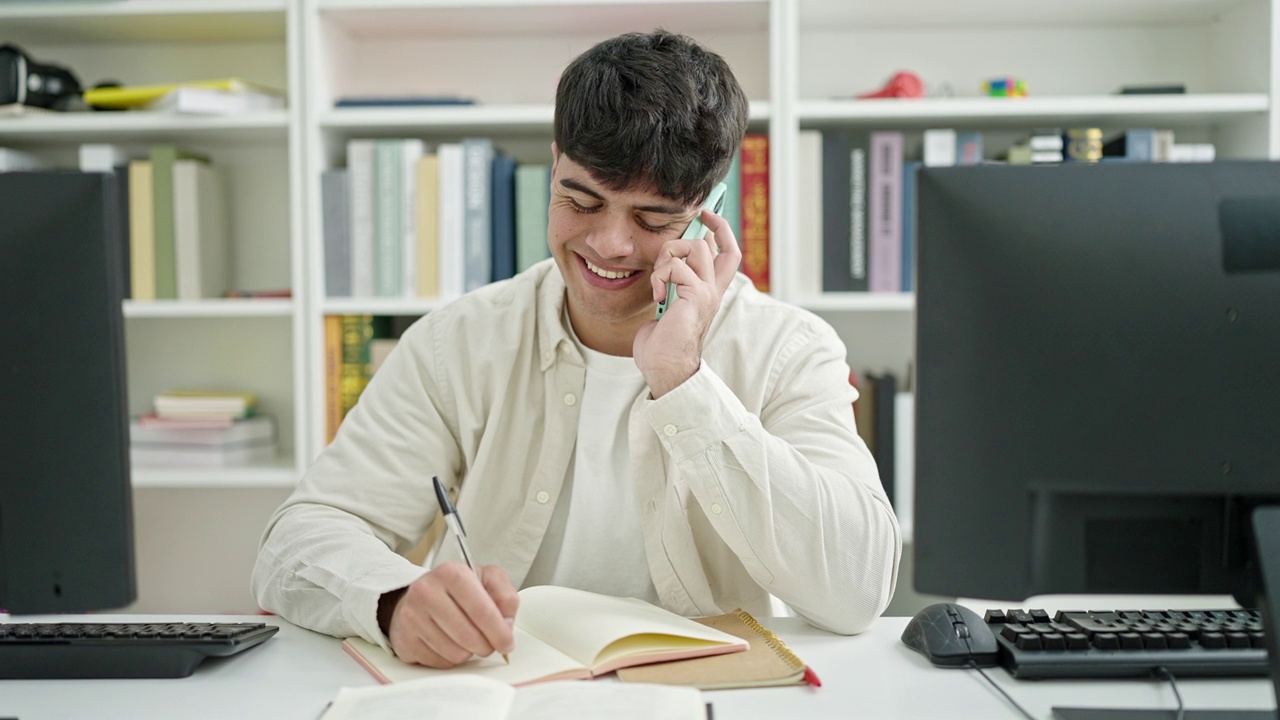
pixel 566 634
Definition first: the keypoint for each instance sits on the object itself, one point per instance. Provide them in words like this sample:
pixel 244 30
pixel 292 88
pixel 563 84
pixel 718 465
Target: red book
pixel 755 209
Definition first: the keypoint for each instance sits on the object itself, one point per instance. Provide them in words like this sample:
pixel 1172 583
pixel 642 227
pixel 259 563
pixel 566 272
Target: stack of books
pixel 197 428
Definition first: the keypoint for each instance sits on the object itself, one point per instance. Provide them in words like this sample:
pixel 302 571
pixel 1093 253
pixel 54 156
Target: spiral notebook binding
pixel 773 641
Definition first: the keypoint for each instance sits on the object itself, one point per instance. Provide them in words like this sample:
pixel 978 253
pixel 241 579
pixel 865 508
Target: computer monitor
pixel 1098 378
pixel 66 542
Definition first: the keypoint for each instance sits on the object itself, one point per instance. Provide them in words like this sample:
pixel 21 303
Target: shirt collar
pixel 551 329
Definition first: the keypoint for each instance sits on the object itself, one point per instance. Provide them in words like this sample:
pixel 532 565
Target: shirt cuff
pixel 696 415
pixel 360 603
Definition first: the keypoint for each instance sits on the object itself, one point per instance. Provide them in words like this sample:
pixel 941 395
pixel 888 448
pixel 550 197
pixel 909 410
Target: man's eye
pixel 579 207
pixel 652 228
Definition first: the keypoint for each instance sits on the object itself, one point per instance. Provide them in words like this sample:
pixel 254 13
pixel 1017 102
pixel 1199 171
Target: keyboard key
pixel 1130 641
pixel 1213 640
pixel 994 617
pixel 1106 641
pixel 1011 631
pixel 1040 616
pixel 1258 639
pixel 1019 616
pixel 1178 640
pixel 1028 641
pixel 1237 640
pixel 1077 641
pixel 1053 641
pixel 1154 641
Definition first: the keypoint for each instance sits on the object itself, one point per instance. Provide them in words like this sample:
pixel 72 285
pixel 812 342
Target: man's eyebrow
pixel 660 209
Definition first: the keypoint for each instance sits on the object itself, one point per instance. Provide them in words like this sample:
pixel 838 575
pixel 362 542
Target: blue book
pixel 909 169
pixel 503 198
pixel 477 213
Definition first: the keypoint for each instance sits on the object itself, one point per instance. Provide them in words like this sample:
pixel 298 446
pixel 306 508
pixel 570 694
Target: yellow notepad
pixel 768 662
pixel 567 634
pixel 132 96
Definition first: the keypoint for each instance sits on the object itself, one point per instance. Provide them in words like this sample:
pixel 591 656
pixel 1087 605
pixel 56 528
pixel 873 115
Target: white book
pixel 411 152
pixel 200 244
pixel 240 456
pixel 18 160
pixel 452 211
pixel 807 278
pixel 939 147
pixel 904 461
pixel 360 185
pixel 212 101
pixel 1191 152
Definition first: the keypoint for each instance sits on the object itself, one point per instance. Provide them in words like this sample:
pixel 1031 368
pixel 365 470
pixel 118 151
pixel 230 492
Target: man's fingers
pixel 730 256
pixel 480 614
pixel 501 590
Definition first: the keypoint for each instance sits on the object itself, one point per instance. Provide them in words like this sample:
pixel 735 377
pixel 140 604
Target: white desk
pixel 293 675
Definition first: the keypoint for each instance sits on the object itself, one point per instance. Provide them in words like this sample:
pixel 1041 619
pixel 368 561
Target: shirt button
pixel 542 497
pixel 548 356
pixel 670 430
pixel 569 399
pixel 715 508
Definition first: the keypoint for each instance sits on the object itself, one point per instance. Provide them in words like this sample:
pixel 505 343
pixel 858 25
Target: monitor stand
pixel 1266 535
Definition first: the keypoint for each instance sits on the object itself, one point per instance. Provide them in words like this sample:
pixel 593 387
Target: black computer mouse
pixel 951 635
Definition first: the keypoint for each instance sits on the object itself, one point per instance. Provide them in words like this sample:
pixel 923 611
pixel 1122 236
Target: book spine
pixel 503 217
pixel 807 276
pixel 755 209
pixel 452 210
pixel 533 188
pixel 162 159
pixel 428 225
pixel 1140 145
pixel 411 151
pixel 335 201
pixel 357 332
pixel 886 395
pixel 836 213
pixel 968 148
pixel 940 147
pixel 141 232
pixel 1082 145
pixel 477 156
pixel 885 223
pixel 333 348
pixel 360 185
pixel 388 237
pixel 909 172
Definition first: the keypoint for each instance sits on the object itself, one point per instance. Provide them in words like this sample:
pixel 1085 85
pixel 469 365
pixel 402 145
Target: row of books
pixel 404 219
pixel 355 346
pixel 202 428
pixel 885 417
pixel 857 191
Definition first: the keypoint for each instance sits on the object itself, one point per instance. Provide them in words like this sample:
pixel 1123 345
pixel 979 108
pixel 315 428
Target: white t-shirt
pixel 594 541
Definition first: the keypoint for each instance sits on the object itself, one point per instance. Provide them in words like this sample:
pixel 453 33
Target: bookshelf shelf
pixel 381 306
pixel 477 119
pixel 858 302
pixel 150 21
pixel 140 126
pixel 989 112
pixel 212 308
pixel 281 474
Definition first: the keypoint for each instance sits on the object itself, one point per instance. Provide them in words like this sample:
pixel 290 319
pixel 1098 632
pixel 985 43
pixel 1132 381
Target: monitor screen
pixel 1098 387
pixel 66 540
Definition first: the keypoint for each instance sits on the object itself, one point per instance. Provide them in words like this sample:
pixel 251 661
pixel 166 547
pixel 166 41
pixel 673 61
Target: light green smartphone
pixel 695 231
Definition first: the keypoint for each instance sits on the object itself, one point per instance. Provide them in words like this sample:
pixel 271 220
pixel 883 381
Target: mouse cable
pixel 1163 672
pixel 1006 695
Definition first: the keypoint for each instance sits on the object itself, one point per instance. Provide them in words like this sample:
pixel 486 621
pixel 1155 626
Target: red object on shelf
pixel 901 85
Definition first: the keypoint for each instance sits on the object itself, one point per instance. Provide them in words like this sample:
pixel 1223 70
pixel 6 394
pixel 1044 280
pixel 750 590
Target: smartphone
pixel 695 231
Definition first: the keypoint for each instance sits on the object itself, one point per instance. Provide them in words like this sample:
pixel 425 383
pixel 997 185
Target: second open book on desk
pixel 566 634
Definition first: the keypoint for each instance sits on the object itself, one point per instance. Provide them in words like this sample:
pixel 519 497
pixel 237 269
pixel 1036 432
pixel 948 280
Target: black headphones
pixel 24 81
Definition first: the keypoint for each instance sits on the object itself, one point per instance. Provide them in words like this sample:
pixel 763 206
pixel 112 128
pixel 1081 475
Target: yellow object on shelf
pixel 133 96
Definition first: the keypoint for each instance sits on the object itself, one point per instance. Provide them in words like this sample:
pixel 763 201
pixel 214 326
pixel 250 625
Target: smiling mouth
pixel 608 274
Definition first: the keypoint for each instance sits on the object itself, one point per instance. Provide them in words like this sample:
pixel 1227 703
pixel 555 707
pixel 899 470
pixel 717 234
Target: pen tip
pixel 507 659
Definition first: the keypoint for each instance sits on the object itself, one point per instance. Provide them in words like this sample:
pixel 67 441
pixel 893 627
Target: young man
pixel 700 462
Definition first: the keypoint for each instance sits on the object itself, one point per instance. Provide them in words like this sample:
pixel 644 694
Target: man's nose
pixel 612 238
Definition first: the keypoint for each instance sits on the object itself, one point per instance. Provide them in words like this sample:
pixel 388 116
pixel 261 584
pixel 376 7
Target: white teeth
pixel 610 274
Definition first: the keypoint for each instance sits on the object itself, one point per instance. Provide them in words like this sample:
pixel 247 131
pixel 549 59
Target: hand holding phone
pixel 695 231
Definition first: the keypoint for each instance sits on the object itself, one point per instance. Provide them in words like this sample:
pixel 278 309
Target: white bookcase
pixel 800 61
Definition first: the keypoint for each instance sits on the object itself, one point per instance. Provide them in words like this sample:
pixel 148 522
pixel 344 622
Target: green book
pixel 533 194
pixel 162 159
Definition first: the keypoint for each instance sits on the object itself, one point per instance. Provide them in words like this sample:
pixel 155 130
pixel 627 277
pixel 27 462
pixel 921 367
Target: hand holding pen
pixel 454 522
pixel 456 611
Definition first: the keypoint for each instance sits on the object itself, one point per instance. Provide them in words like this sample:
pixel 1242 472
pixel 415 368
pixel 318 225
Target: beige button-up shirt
pixel 750 477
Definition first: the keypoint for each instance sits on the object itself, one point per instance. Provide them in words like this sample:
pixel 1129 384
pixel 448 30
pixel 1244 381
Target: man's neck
pixel 608 338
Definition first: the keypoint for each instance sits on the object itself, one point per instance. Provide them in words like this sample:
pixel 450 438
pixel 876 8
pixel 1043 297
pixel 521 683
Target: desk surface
pixel 873 675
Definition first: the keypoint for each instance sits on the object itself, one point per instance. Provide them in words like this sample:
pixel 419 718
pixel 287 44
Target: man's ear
pixel 555 157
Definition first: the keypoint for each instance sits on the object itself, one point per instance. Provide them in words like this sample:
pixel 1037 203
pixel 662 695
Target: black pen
pixel 454 523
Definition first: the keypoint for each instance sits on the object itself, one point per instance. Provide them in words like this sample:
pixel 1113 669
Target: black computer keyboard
pixel 35 651
pixel 1129 643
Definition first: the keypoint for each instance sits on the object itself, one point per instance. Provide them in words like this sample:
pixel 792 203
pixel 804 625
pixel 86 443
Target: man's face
pixel 605 243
